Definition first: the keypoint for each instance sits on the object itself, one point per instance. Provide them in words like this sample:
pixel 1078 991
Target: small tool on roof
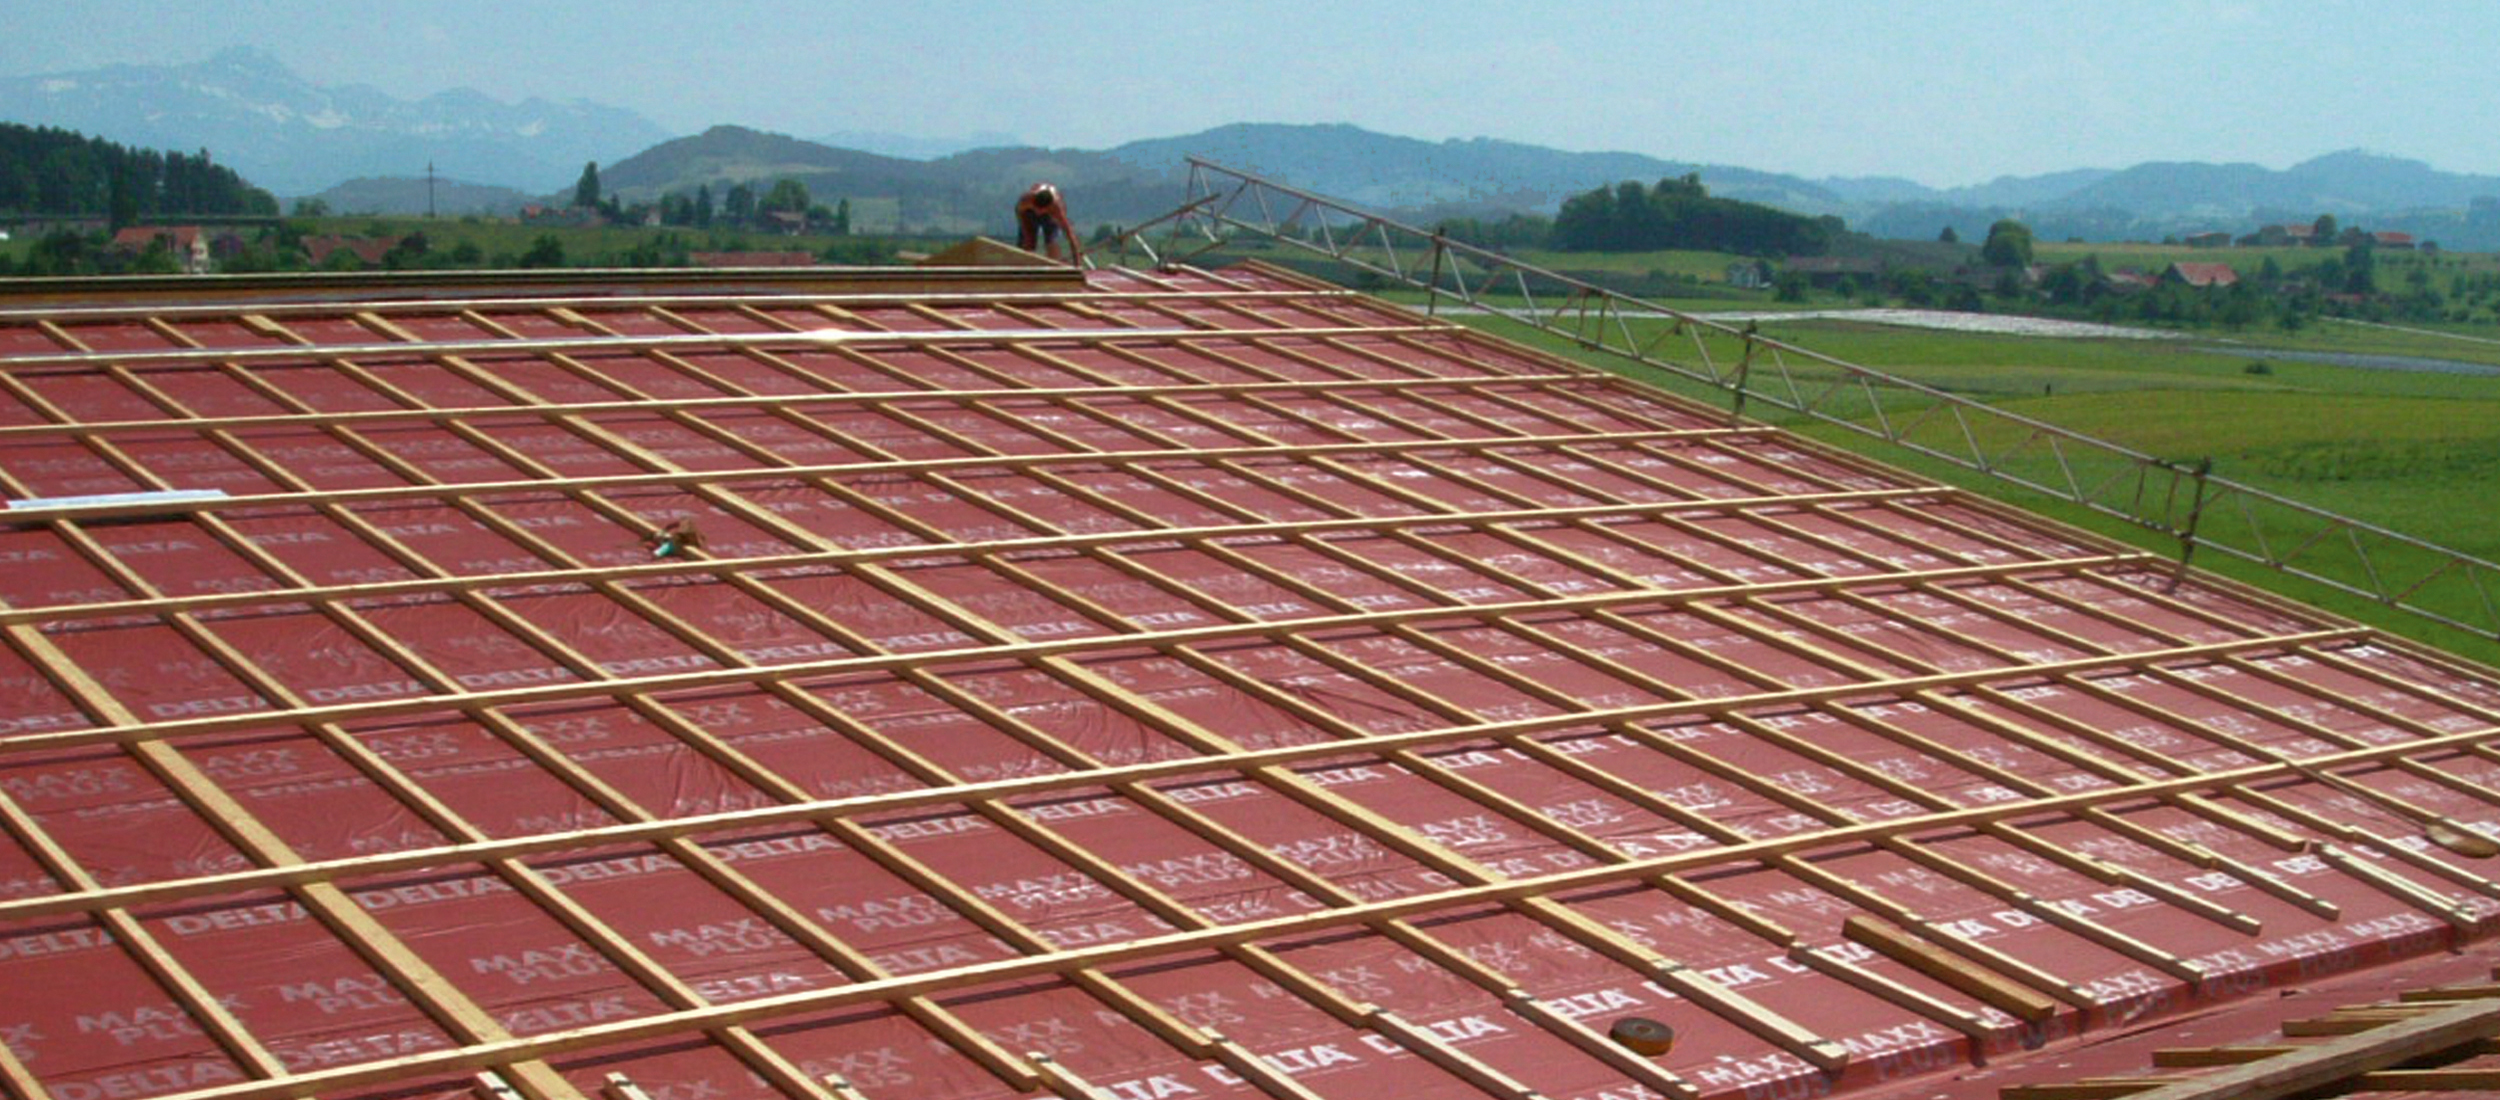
pixel 674 539
pixel 1642 1035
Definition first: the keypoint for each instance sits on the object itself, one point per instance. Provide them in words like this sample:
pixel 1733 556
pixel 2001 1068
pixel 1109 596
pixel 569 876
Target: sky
pixel 1944 92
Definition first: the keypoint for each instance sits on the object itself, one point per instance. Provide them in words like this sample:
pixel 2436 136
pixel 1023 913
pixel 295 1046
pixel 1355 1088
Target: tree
pixel 156 259
pixel 2322 231
pixel 310 208
pixel 842 218
pixel 740 207
pixel 2361 269
pixel 586 190
pixel 62 252
pixel 546 251
pixel 1680 213
pixel 788 196
pixel 1949 236
pixel 413 252
pixel 50 171
pixel 2067 284
pixel 123 203
pixel 2009 244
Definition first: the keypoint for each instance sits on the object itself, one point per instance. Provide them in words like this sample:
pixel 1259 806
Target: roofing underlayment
pixel 1134 685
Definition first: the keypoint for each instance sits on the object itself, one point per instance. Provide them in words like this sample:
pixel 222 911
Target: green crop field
pixel 2411 451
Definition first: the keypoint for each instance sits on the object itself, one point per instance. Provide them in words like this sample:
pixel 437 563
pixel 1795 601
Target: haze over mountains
pixel 293 137
pixel 365 150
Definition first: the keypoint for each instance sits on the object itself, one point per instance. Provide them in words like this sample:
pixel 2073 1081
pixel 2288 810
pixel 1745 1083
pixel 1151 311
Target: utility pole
pixel 429 190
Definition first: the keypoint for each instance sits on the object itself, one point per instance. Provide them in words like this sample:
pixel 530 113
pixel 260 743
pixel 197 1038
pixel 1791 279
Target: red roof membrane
pixel 1165 685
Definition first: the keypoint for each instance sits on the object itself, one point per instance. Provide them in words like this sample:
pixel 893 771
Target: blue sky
pixel 1941 91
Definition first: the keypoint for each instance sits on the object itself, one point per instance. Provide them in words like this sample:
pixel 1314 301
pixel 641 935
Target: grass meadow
pixel 2415 452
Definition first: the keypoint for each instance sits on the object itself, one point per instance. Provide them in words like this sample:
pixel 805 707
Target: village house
pixel 2200 275
pixel 1749 274
pixel 788 258
pixel 370 250
pixel 190 246
pixel 2277 236
pixel 2127 281
pixel 1825 272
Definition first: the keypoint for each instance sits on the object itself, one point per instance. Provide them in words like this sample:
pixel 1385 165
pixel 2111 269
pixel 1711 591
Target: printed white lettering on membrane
pixel 550 1017
pixel 54 943
pixel 141 1023
pixel 153 1081
pixel 373 1046
pixel 343 994
pixel 79 783
pixel 889 914
pixel 727 938
pixel 866 1069
pixel 540 964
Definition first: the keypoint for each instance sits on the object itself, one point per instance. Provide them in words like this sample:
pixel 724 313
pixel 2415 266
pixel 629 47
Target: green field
pixel 2409 451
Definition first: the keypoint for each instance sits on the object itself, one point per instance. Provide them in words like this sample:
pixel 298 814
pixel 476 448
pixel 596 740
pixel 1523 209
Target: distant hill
pixel 400 195
pixel 2004 191
pixel 2344 184
pixel 2175 198
pixel 966 192
pixel 911 147
pixel 1481 177
pixel 295 138
pixel 974 189
pixel 1400 173
pixel 725 156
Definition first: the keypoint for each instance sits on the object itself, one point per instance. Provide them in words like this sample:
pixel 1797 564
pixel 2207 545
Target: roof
pixel 2425 1030
pixel 779 258
pixel 141 236
pixel 2204 274
pixel 371 250
pixel 1135 684
pixel 1835 265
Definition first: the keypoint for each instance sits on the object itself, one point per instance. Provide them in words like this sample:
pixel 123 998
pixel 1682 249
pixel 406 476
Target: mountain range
pixel 363 150
pixel 284 133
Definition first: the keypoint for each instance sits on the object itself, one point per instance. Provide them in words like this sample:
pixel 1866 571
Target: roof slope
pixel 1183 684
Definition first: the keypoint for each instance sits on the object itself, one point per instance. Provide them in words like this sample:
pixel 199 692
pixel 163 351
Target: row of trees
pixel 2345 283
pixel 55 172
pixel 1682 214
pixel 743 207
pixel 1677 213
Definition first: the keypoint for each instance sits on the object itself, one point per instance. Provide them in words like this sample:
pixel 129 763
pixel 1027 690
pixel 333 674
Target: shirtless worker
pixel 1041 219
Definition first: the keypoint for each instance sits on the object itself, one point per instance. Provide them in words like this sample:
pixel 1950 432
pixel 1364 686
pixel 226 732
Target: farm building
pixel 969 682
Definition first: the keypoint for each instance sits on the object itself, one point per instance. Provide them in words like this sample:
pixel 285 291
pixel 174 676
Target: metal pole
pixel 2196 512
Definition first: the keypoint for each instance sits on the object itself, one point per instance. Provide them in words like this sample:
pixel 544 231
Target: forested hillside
pixel 56 172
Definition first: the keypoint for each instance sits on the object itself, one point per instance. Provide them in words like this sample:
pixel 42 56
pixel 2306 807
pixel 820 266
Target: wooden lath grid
pixel 1409 652
pixel 2430 1041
